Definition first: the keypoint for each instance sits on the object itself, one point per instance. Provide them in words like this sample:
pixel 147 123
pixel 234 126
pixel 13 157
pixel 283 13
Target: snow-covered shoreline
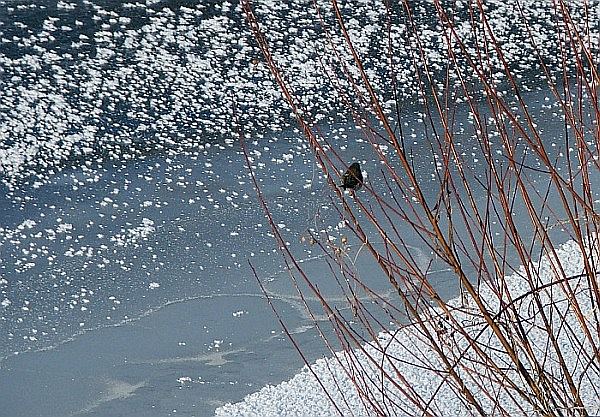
pixel 303 396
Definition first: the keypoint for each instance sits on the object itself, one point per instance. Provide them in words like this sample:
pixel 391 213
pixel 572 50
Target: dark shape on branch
pixel 352 178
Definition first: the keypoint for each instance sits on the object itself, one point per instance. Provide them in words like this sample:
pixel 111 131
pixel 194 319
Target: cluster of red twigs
pixel 485 349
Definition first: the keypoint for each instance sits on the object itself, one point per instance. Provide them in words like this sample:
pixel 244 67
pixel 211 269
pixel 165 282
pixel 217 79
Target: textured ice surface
pixel 102 80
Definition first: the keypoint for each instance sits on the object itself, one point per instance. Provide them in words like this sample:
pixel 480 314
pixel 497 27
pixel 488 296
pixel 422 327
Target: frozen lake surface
pixel 129 289
pixel 127 217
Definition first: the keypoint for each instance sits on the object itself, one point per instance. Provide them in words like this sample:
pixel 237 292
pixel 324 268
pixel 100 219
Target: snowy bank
pixel 409 354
